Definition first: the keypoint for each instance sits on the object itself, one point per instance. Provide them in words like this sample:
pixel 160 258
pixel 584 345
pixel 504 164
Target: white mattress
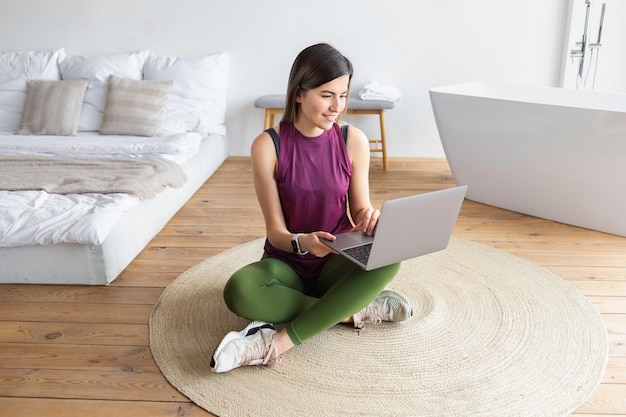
pixel 96 242
pixel 36 217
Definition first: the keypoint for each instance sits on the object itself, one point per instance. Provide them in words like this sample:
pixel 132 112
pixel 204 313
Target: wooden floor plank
pixel 77 294
pixel 616 328
pixel 101 358
pixel 31 407
pixel 616 371
pixel 85 384
pixel 98 334
pixel 79 312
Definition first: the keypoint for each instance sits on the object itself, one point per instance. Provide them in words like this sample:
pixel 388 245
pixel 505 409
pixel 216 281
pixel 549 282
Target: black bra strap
pixel 275 138
pixel 344 132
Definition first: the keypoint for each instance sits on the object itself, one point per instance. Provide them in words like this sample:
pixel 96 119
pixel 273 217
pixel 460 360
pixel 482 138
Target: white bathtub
pixel 548 152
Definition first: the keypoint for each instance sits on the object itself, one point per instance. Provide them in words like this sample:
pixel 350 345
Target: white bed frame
pixel 101 264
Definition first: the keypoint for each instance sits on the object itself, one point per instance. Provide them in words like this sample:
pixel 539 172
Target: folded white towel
pixel 375 91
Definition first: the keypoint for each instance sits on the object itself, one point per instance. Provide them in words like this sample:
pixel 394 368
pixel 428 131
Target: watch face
pixel 294 244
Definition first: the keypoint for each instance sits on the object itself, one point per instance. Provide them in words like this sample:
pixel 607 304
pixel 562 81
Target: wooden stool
pixel 275 104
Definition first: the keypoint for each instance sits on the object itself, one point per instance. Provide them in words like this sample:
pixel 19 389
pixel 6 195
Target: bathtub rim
pixel 535 94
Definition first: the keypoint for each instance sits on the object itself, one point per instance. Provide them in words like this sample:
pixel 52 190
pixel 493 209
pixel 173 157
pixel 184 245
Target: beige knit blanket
pixel 142 176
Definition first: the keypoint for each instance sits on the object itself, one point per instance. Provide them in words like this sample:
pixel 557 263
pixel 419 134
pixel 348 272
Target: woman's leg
pixel 270 291
pixel 346 290
pixel 267 290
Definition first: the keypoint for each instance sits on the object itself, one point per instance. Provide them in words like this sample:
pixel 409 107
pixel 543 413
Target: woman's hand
pixel 311 243
pixel 367 221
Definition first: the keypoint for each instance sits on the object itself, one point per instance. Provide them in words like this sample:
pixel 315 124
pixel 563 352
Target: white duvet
pixel 36 217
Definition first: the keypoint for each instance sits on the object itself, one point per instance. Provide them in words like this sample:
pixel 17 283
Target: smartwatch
pixel 295 245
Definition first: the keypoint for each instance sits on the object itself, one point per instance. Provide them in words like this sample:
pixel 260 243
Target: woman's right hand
pixel 311 243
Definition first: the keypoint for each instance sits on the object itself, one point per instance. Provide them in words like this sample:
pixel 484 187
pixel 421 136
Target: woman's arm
pixel 364 216
pixel 263 156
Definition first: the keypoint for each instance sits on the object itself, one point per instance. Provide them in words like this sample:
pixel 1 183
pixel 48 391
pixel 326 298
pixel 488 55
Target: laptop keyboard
pixel 361 253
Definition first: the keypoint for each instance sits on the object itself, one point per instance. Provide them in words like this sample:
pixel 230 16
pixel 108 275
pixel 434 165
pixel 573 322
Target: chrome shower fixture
pixel 584 48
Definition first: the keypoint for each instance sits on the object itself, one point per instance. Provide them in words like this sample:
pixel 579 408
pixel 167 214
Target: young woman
pixel 311 183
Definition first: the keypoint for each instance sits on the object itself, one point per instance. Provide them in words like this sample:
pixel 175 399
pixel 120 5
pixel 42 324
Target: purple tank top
pixel 313 176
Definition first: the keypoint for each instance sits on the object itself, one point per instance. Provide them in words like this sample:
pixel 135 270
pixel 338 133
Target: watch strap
pixel 295 244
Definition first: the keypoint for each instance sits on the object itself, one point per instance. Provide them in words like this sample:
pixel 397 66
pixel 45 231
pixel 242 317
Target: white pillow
pixel 15 69
pixel 198 99
pixel 97 69
pixel 135 107
pixel 52 107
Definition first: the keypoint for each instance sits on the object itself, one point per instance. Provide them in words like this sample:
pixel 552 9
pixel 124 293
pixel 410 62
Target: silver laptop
pixel 408 227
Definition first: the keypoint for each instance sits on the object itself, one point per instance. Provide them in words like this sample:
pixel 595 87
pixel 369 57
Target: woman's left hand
pixel 367 221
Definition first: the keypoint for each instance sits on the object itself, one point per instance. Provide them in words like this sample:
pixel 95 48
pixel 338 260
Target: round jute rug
pixel 492 335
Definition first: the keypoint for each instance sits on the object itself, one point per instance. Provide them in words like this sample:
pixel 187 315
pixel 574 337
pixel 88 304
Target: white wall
pixel 412 44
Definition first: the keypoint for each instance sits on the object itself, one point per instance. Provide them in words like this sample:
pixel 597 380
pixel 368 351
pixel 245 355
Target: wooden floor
pixel 84 351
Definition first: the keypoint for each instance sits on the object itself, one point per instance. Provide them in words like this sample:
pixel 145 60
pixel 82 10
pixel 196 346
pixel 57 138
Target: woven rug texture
pixel 492 335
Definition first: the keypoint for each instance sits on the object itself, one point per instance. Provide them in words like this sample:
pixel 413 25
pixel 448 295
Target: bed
pixel 78 207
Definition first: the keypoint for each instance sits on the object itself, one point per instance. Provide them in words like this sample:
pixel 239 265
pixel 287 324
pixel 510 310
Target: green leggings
pixel 269 290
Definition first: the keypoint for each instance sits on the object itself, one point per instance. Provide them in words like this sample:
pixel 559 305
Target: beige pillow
pixel 135 107
pixel 52 107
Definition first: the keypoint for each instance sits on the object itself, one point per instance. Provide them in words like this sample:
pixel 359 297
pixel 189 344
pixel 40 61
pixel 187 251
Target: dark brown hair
pixel 314 66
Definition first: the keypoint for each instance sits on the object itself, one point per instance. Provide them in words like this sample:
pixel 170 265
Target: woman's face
pixel 320 107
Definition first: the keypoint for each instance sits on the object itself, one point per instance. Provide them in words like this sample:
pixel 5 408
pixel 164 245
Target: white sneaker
pixel 254 345
pixel 388 306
